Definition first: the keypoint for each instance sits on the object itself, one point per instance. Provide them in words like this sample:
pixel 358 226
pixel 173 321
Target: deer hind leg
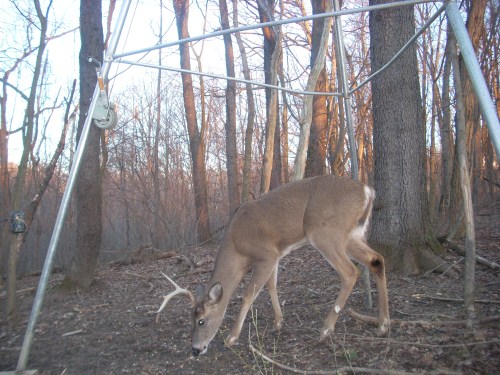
pixel 260 275
pixel 347 271
pixel 273 292
pixel 358 250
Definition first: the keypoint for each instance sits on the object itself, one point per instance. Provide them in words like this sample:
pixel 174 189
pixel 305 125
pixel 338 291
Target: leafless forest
pixel 179 162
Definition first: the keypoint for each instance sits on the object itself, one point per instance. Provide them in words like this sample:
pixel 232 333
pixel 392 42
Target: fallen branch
pixel 344 369
pixel 461 251
pixel 421 344
pixel 461 300
pixel 374 321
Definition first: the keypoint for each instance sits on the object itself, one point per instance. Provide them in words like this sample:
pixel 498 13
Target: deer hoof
pixel 325 333
pixel 278 325
pixel 231 340
pixel 383 328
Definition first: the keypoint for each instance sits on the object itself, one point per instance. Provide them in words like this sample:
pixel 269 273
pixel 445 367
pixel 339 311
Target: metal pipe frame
pixel 63 209
pixel 275 23
pixel 454 18
pixel 336 14
pixel 476 76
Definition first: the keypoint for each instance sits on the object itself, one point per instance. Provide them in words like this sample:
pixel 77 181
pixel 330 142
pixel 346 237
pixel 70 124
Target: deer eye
pixel 201 322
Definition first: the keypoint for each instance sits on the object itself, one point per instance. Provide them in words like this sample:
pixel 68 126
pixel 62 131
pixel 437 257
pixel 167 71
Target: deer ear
pixel 199 291
pixel 215 293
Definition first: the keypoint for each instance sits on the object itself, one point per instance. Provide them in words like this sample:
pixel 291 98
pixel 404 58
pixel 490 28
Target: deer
pixel 329 213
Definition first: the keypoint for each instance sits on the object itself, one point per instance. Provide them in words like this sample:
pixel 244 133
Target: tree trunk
pixel 446 135
pixel 88 182
pixel 465 188
pixel 475 28
pixel 196 141
pixel 20 181
pixel 251 110
pixel 231 149
pixel 272 51
pixel 399 141
pixel 158 233
pixel 307 112
pixel 316 152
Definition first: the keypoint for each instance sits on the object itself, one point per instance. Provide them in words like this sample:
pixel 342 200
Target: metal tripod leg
pixel 47 268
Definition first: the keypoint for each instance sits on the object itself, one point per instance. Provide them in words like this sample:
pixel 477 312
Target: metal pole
pixel 275 23
pixel 47 268
pixel 216 76
pixel 339 48
pixel 475 74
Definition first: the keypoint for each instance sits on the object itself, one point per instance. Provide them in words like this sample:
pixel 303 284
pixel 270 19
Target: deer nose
pixel 196 352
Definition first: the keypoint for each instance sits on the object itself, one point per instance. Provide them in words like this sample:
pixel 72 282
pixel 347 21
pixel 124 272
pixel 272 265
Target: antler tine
pixel 167 298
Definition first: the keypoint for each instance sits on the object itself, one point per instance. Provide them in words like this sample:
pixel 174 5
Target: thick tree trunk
pixel 196 141
pixel 399 141
pixel 88 183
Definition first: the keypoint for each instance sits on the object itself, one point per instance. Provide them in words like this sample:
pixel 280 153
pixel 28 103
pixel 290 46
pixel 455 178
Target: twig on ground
pixel 347 369
pixel 461 300
pixel 461 251
pixel 428 323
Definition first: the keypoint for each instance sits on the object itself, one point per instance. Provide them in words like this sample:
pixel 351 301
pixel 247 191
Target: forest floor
pixel 111 328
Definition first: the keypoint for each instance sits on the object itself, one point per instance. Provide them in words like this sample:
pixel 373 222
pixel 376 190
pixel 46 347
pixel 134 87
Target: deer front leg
pixel 348 275
pixel 273 292
pixel 261 272
pixel 338 259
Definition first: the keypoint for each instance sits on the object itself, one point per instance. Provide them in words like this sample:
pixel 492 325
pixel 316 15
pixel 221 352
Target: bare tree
pixel 272 52
pixel 306 115
pixel 28 139
pixel 251 109
pixel 231 150
pixel 89 180
pixel 316 152
pixel 399 226
pixel 196 141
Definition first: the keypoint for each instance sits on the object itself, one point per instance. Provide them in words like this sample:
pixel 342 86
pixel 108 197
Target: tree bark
pixel 465 189
pixel 399 141
pixel 196 141
pixel 20 180
pixel 475 28
pixel 272 52
pixel 89 180
pixel 306 115
pixel 316 152
pixel 251 110
pixel 231 149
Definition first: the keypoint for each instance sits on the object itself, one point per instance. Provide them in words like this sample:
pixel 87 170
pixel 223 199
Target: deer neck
pixel 228 271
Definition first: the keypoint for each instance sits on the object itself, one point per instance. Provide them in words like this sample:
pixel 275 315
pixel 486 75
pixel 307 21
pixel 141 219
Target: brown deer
pixel 327 212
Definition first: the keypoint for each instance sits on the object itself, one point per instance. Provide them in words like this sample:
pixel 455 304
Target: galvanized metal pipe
pixel 476 76
pixel 216 76
pixel 54 241
pixel 274 23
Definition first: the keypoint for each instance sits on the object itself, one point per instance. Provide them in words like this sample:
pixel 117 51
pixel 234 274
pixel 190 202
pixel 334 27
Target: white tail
pixel 327 212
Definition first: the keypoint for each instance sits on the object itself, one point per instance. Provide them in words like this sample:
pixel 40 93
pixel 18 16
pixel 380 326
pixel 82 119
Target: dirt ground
pixel 111 328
